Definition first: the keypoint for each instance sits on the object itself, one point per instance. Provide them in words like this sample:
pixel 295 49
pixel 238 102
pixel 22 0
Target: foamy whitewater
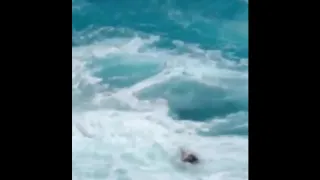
pixel 151 76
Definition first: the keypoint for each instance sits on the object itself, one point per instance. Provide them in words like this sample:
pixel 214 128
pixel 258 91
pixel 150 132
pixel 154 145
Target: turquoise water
pixel 149 77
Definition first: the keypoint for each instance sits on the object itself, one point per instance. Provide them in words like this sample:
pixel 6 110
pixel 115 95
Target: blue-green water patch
pixel 194 100
pixel 117 72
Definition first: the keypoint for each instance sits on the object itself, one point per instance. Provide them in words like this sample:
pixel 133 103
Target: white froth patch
pixel 133 139
pixel 144 146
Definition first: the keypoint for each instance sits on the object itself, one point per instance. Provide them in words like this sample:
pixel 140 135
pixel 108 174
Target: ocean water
pixel 152 76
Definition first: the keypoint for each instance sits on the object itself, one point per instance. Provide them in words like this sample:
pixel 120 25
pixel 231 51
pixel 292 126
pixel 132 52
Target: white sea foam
pixel 121 136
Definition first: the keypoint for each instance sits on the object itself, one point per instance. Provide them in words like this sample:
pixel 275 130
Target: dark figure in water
pixel 189 157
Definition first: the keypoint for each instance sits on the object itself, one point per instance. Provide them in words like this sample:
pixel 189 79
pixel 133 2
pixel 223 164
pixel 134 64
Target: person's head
pixel 191 158
pixel 188 157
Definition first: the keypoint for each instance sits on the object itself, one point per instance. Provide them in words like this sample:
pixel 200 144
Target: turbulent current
pixel 152 76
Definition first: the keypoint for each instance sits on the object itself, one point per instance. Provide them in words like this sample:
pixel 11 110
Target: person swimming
pixel 188 157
